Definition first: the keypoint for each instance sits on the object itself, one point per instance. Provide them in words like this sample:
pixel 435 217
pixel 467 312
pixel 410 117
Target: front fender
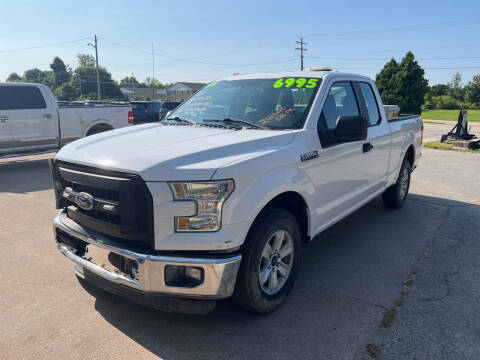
pixel 247 201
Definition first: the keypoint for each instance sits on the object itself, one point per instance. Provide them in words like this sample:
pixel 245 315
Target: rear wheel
pixel 98 129
pixel 394 197
pixel 270 261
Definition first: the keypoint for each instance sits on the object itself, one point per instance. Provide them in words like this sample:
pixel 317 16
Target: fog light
pixel 183 276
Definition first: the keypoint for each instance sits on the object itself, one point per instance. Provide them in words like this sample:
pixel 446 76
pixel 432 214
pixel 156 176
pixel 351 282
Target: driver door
pixel 341 173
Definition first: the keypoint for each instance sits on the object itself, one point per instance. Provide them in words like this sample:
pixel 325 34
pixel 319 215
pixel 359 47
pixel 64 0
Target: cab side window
pixel 25 98
pixel 371 104
pixel 340 101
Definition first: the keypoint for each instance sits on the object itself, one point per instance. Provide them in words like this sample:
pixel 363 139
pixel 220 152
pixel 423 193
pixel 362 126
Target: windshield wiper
pixel 236 121
pixel 182 119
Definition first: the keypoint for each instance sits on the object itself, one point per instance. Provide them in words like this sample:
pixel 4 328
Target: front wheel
pixel 270 261
pixel 394 197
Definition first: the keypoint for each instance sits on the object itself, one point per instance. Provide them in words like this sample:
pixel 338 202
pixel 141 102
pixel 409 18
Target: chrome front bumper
pixel 219 273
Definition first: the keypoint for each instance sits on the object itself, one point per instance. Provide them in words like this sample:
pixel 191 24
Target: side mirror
pixel 351 128
pixel 168 115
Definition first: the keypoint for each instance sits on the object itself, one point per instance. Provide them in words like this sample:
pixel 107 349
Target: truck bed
pixel 403 117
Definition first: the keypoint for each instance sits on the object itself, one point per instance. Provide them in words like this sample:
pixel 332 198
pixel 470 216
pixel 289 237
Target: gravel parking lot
pixel 425 254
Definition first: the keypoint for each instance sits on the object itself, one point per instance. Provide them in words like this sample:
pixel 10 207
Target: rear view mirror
pixel 351 128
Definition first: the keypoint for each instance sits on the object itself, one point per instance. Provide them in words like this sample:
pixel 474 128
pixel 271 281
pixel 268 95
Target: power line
pixel 421 68
pixel 43 46
pixel 192 60
pixel 397 29
pixel 369 51
pixel 387 59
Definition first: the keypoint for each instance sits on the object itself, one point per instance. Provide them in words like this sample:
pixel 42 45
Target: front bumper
pixel 148 276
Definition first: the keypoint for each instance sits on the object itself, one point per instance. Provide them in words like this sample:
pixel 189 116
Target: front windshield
pixel 279 103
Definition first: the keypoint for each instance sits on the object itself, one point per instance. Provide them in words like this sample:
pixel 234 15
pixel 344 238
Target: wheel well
pixel 295 204
pixel 98 128
pixel 410 155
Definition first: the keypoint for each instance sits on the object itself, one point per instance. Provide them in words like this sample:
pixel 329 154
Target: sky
pixel 201 41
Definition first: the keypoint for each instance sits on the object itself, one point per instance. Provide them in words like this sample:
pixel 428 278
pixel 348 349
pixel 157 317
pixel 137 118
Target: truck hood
pixel 159 152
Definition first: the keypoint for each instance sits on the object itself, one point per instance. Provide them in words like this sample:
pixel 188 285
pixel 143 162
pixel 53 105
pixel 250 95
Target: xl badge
pixel 309 155
pixel 84 201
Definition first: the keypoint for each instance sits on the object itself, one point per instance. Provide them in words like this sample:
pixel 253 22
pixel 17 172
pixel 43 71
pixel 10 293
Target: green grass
pixel 445 146
pixel 452 115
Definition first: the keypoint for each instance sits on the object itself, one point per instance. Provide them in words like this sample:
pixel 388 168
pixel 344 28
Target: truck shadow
pixel 350 274
pixel 24 175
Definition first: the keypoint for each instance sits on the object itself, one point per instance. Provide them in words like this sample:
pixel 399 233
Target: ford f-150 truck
pixel 31 122
pixel 216 200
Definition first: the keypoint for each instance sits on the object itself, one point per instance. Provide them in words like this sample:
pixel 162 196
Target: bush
pixel 445 102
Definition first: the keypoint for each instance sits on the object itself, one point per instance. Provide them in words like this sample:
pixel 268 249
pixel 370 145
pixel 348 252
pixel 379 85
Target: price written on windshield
pixel 296 82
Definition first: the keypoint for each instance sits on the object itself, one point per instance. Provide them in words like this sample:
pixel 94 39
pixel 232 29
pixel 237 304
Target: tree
pixel 86 80
pixel 60 70
pixel 455 88
pixel 34 75
pixel 403 84
pixel 385 82
pixel 86 60
pixel 128 81
pixel 438 90
pixel 14 77
pixel 413 85
pixel 149 83
pixel 66 91
pixel 472 91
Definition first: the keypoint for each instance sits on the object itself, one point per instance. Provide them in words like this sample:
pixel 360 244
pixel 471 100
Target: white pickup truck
pixel 217 199
pixel 31 122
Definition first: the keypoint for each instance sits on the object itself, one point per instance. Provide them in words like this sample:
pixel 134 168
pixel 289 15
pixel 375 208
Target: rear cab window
pixel 139 106
pixel 374 117
pixel 169 105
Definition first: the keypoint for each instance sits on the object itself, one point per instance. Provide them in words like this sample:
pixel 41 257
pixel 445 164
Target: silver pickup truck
pixel 31 121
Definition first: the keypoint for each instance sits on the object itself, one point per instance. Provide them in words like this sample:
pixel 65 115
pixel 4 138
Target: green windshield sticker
pixel 296 82
pixel 212 84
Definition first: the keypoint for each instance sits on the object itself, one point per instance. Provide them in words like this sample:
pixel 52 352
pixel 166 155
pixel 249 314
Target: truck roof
pixel 20 83
pixel 283 74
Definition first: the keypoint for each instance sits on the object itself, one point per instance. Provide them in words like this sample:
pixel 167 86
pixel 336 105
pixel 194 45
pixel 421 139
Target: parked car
pixel 31 121
pixel 217 199
pixel 145 111
pixel 151 111
pixel 166 107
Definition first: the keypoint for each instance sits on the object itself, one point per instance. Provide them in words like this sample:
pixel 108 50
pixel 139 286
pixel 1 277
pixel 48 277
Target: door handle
pixel 47 117
pixel 3 119
pixel 367 147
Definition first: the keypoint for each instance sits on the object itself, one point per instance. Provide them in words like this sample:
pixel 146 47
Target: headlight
pixel 209 196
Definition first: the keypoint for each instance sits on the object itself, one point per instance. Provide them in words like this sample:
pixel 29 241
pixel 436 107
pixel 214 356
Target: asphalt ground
pixel 421 261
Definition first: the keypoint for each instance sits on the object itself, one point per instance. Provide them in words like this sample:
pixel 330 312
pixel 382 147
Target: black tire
pixel 394 197
pixel 248 292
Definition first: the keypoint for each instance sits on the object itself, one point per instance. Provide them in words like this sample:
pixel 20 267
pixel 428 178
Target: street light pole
pixel 153 74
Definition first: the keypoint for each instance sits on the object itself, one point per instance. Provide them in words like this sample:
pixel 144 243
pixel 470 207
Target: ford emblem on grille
pixel 84 201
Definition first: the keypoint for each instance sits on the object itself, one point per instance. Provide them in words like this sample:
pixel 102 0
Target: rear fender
pixel 98 122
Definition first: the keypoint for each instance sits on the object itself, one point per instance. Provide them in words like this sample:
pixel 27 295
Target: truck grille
pixel 112 203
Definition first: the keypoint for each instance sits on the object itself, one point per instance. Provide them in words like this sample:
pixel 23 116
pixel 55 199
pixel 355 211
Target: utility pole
pixel 95 46
pixel 302 49
pixel 153 74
